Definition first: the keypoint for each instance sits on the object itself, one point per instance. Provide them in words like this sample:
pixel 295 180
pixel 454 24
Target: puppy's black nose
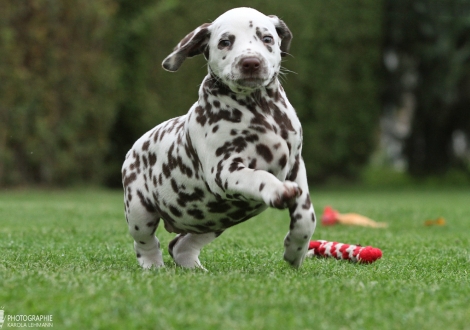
pixel 250 64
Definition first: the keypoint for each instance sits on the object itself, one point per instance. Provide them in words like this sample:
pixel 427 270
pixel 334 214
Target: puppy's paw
pixel 285 195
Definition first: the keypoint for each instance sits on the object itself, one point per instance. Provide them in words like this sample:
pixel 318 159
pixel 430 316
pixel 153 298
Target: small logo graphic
pixel 25 320
pixel 2 317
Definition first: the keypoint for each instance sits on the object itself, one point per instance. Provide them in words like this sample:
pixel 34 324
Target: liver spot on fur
pixel 264 151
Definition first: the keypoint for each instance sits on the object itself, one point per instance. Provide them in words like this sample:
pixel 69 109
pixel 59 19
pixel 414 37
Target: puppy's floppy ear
pixel 191 45
pixel 284 33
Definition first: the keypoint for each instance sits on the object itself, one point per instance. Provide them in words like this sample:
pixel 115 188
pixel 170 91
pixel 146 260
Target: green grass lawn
pixel 68 254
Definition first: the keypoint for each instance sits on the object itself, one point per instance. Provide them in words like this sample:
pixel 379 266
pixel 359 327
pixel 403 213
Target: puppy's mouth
pixel 251 82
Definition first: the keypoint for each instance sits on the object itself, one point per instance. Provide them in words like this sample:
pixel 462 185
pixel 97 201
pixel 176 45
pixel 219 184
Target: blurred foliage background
pixel 375 83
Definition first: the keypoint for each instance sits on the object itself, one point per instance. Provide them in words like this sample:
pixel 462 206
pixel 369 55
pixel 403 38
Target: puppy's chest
pixel 262 133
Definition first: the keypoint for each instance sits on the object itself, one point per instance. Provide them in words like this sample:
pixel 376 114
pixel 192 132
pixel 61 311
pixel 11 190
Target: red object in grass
pixel 341 251
pixel 329 217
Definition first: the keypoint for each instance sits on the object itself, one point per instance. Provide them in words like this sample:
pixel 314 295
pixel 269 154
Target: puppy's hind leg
pixel 142 226
pixel 185 248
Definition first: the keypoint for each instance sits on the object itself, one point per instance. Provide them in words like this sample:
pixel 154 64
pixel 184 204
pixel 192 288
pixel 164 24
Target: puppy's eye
pixel 268 40
pixel 225 43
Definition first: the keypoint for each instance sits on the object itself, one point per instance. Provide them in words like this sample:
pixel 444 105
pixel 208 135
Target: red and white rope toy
pixel 354 253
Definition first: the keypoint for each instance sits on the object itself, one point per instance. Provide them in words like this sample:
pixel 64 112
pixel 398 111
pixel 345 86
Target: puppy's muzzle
pixel 252 72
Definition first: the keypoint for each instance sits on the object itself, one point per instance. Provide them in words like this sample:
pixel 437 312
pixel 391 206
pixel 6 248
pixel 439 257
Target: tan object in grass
pixel 438 222
pixel 332 217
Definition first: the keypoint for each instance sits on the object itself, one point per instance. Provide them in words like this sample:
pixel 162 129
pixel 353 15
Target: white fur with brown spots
pixel 235 153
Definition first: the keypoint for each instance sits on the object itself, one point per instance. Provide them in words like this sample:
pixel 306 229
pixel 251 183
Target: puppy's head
pixel 243 48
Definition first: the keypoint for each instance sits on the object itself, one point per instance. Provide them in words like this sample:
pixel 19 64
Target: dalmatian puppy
pixel 234 154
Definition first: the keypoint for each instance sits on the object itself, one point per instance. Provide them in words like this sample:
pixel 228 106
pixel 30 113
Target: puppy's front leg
pixel 292 193
pixel 303 222
pixel 257 185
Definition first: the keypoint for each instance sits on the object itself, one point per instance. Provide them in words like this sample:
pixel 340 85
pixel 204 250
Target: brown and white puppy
pixel 234 154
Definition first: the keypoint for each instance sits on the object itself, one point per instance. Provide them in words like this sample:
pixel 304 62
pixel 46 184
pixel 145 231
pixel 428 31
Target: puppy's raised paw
pixel 286 196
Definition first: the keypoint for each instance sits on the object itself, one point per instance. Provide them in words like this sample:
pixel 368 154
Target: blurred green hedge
pixel 81 81
pixel 57 91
